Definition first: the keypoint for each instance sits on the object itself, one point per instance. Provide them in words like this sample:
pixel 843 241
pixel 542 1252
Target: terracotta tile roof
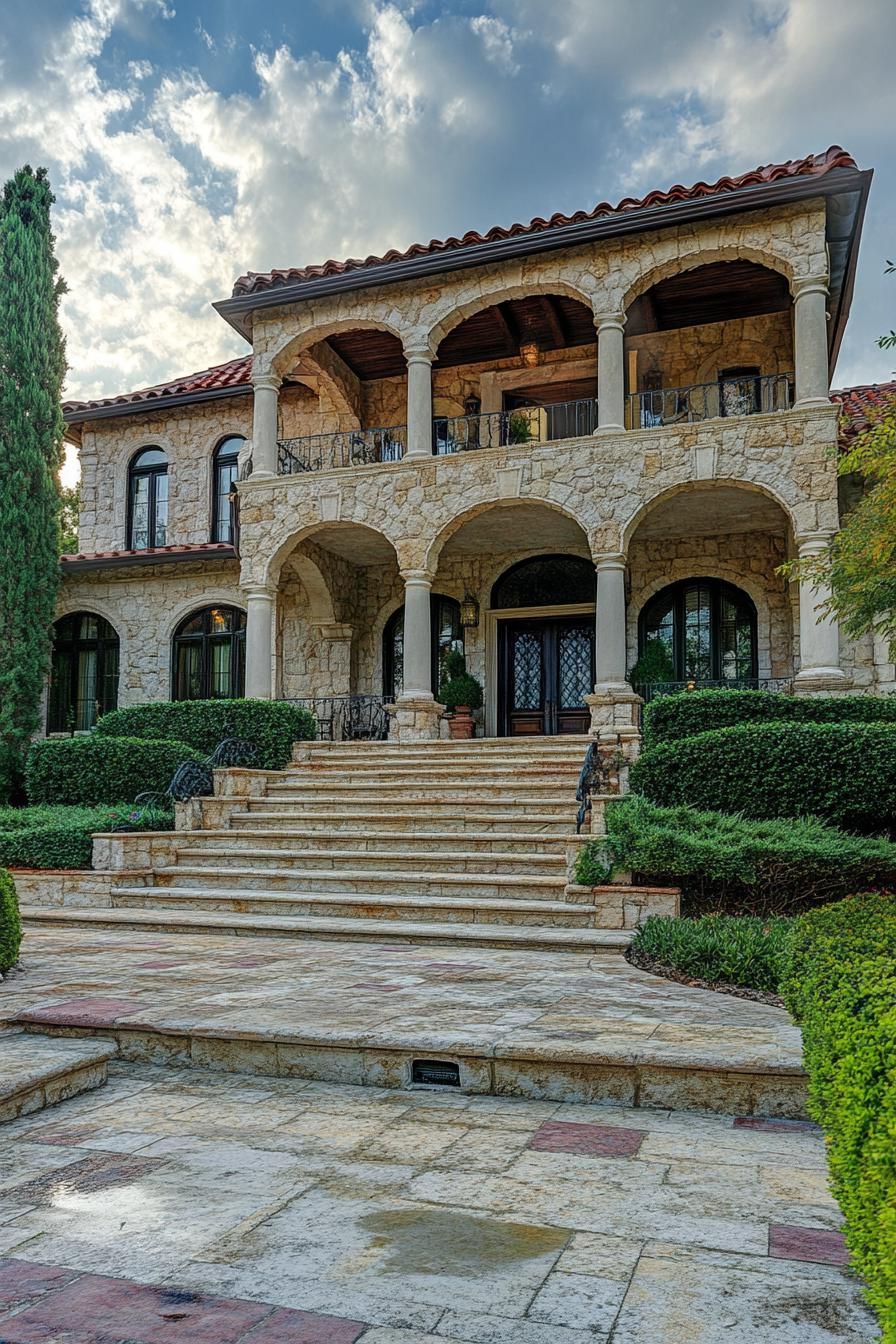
pixel 858 405
pixel 205 550
pixel 234 374
pixel 814 165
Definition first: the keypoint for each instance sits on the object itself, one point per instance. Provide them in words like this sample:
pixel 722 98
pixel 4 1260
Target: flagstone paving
pixel 185 1207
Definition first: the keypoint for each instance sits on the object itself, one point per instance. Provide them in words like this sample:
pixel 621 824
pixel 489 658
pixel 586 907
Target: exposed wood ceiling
pixel 719 292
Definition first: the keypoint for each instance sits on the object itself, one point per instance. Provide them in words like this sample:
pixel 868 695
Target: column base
pixel 821 681
pixel 414 719
pixel 809 403
pixel 607 429
pixel 616 718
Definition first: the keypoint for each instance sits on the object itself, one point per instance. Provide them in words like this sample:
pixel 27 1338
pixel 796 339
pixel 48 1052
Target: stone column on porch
pixel 610 372
pixel 415 716
pixel 615 708
pixel 259 644
pixel 265 388
pixel 419 361
pixel 820 668
pixel 810 341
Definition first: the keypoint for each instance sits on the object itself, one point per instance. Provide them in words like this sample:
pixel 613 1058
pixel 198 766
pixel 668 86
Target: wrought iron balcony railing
pixel 347 718
pixel 527 424
pixel 344 448
pixel 747 395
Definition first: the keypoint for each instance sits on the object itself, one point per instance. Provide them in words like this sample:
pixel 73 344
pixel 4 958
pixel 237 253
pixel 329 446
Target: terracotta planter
pixel 460 725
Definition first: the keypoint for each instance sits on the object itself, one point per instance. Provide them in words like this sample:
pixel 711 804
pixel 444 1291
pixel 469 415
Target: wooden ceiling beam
pixel 554 319
pixel 508 325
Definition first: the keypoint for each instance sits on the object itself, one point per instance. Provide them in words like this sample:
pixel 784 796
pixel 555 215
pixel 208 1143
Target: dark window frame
pixel 206 640
pixel 152 472
pixel 675 595
pixel 558 599
pixel 222 461
pixel 107 647
pixel 435 602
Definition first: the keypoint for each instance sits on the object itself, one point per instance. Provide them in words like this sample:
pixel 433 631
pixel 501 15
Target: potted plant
pixel 461 693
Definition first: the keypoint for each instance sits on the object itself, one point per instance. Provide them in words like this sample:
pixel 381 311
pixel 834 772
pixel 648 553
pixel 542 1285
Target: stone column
pixel 820 668
pixel 265 388
pixel 419 360
pixel 259 621
pixel 810 340
pixel 610 372
pixel 615 709
pixel 416 715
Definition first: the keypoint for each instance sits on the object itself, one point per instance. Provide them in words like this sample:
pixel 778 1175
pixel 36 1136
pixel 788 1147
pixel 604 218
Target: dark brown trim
pixel 155 404
pixel 70 564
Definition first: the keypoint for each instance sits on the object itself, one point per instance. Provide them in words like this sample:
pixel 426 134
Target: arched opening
pixel 542 382
pixel 225 468
pixel 209 655
pixel 701 631
pixel 545 580
pixel 83 674
pixel 712 341
pixel 446 634
pixel 148 499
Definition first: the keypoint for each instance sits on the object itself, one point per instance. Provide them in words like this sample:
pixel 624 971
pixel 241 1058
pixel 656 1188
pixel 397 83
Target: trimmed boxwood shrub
pixel 94 769
pixel 841 988
pixel 723 949
pixel 10 924
pixel 10 773
pixel 61 837
pixel 671 717
pixel 727 863
pixel 272 725
pixel 842 772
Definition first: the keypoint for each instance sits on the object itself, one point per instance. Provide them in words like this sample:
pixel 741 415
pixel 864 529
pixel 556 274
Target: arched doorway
pixel 447 633
pixel 702 631
pixel 84 672
pixel 545 653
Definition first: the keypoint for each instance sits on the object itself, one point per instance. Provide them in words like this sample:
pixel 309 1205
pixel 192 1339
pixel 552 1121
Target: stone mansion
pixel 577 449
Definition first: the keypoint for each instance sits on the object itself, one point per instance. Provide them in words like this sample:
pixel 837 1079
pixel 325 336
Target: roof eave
pixel 155 404
pixel 72 564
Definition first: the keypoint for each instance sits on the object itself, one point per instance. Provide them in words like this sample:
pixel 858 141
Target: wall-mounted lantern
pixel 469 612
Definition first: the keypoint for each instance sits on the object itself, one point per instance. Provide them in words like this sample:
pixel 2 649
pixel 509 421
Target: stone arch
pixel 678 265
pixel 293 344
pixel 450 314
pixel 320 601
pixel 454 524
pixel 648 506
pixel 286 545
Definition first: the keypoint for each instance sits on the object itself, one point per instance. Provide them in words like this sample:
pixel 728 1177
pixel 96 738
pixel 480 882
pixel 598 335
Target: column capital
pixel 420 577
pixel 266 382
pixel 610 560
pixel 418 353
pixel 808 284
pixel 814 543
pixel 254 592
pixel 613 320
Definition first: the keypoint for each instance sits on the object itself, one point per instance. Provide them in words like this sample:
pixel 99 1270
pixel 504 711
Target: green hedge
pixel 271 724
pixel 10 924
pixel 62 837
pixel 671 717
pixel 842 991
pixel 94 769
pixel 728 863
pixel 842 772
pixel 723 949
pixel 10 773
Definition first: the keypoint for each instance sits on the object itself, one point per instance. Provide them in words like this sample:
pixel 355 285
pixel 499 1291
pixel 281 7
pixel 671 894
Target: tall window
pixel 210 655
pixel 708 629
pixel 447 633
pixel 224 475
pixel 84 672
pixel 148 500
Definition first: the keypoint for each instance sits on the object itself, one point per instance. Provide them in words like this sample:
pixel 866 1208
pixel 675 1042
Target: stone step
pixel 450 821
pixel 360 880
pixel 467 794
pixel 591 941
pixel 347 905
pixel 372 861
pixel 568 745
pixel 40 1071
pixel 300 840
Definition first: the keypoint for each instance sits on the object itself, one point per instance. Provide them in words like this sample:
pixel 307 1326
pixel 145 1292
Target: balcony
pixel 748 395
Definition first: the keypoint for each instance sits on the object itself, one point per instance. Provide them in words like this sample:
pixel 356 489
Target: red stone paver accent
pixel 82 1012
pixel 285 1326
pixel 818 1244
pixel 560 1136
pixel 21 1281
pixel 769 1126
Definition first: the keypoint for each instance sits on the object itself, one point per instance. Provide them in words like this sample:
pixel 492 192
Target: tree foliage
pixel 32 366
pixel 70 499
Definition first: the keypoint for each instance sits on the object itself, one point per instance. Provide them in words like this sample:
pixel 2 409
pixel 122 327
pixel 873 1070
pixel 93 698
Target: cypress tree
pixel 32 367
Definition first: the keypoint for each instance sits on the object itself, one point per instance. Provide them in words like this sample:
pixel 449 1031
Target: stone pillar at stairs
pixel 415 716
pixel 615 708
pixel 820 669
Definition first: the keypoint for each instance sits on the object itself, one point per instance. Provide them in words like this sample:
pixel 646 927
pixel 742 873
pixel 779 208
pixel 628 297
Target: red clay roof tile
pixel 187 551
pixel 859 404
pixel 235 373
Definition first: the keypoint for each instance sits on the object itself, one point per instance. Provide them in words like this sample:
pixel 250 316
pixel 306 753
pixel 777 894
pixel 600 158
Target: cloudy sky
pixel 191 140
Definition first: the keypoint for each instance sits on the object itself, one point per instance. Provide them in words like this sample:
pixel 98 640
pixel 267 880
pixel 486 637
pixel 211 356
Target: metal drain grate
pixel 435 1072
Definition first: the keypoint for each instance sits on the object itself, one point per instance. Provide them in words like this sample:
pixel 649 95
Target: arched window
pixel 210 655
pixel 545 581
pixel 707 629
pixel 447 633
pixel 84 672
pixel 148 500
pixel 224 474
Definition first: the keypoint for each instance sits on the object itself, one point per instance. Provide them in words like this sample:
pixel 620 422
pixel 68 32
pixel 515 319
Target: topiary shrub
pixel 272 725
pixel 10 923
pixel 459 686
pixel 841 988
pixel 751 953
pixel 94 769
pixel 671 717
pixel 844 773
pixel 726 863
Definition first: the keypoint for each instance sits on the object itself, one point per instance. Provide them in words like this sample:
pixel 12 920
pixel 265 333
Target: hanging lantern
pixel 469 612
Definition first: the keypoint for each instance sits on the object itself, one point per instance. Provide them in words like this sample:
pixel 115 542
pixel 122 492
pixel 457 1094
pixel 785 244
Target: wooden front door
pixel 546 668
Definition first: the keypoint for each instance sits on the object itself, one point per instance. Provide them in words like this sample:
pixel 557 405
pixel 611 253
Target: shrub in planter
pixel 723 949
pixel 62 837
pixel 10 924
pixel 841 988
pixel 671 717
pixel 461 693
pixel 272 725
pixel 94 769
pixel 728 863
pixel 842 772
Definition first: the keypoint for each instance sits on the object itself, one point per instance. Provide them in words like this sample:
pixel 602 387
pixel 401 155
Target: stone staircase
pixel 438 842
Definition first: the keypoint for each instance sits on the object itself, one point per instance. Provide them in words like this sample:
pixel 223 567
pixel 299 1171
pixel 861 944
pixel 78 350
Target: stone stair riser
pixel 299 841
pixel 369 861
pixel 372 884
pixel 447 817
